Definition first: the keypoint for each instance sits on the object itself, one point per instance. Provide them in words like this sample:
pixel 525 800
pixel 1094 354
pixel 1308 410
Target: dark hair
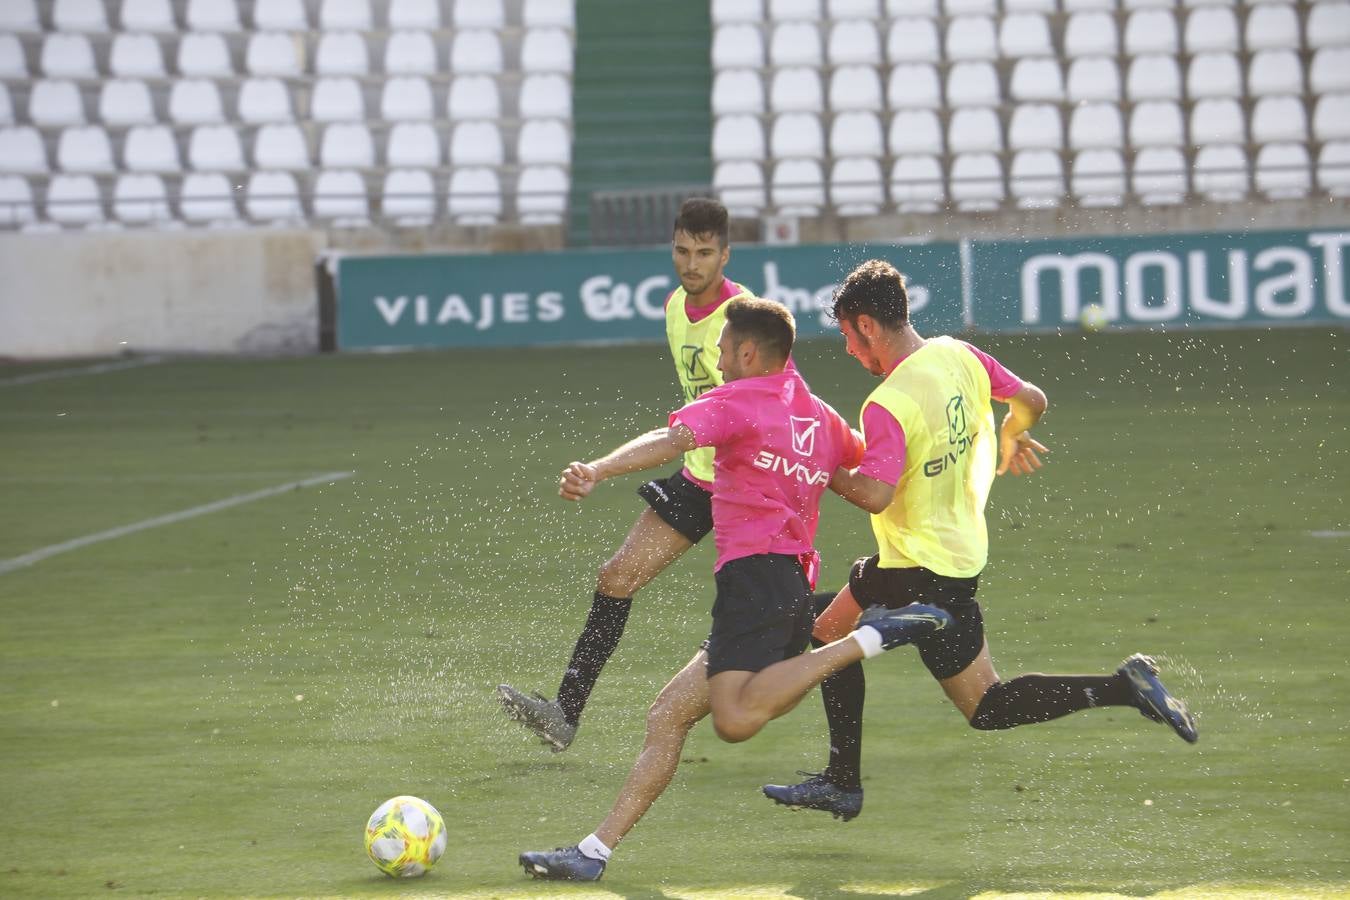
pixel 877 289
pixel 703 217
pixel 766 322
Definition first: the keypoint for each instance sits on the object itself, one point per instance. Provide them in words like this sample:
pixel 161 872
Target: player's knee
pixel 734 727
pixel 988 712
pixel 621 577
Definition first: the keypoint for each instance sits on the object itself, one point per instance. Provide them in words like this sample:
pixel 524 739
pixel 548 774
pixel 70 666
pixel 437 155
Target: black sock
pixel 843 693
pixel 1029 699
pixel 599 637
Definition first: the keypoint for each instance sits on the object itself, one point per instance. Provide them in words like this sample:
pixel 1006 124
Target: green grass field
pixel 213 707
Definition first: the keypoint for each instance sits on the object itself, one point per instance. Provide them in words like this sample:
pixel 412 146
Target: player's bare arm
pixel 1017 448
pixel 862 491
pixel 654 448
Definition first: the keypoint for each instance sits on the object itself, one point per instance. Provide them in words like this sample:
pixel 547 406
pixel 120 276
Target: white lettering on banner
pixel 1333 244
pixel 1298 279
pixel 650 296
pixel 1136 303
pixel 513 308
pixel 1235 307
pixel 821 300
pixel 605 299
pixel 1068 269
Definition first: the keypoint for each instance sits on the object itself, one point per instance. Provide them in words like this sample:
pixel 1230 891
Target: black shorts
pixel 762 614
pixel 947 652
pixel 681 504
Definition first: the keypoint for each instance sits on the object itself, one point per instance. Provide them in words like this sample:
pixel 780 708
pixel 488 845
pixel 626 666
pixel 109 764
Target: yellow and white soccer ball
pixel 1093 317
pixel 405 837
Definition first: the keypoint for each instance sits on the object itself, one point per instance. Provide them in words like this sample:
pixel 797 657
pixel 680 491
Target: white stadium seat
pixel 1214 75
pixel 913 40
pixel 207 197
pixel 1025 34
pixel 902 8
pixel 737 91
pixel 1153 77
pixel 122 102
pixel 6 106
pixel 136 56
pixel 1093 78
pixel 780 10
pixel 1096 126
pixel 148 15
pixel 280 15
pixel 16 202
pixel 737 47
pixel 476 50
pixel 204 55
pixel 275 53
pixel 151 148
pixel 341 53
pixel 855 88
pixel 1151 31
pixel 280 146
pixel 544 142
pixel 273 196
pixel 1098 178
pixel 1274 27
pixel 1036 179
pixel 21 151
pixel 413 145
pixel 738 137
pixel 478 14
pixel 734 11
pixel 423 14
pixel 85 149
pixel 977 182
pixel 474 97
pixel 856 186
pixel 796 89
pixel 1273 72
pixel 339 100
pixel 195 101
pixel 853 42
pixel 916 184
pixel 560 13
pixel 346 145
pixel 797 135
pixel 67 56
pixel 407 98
pixel 1279 120
pixel 74 200
pixel 1212 28
pixel 545 96
pixel 410 53
pixel 970 7
pixel 345 15
pixel 1331 117
pixel 1042 6
pixel 795 44
pixel 1073 6
pixel 213 15
pixel 856 133
pixel 265 100
pixel 79 15
pixel 475 195
pixel 1160 176
pixel 19 16
pixel 546 50
pixel 541 195
pixel 975 130
pixel 1333 168
pixel 1330 71
pixel 852 9
pixel 972 84
pixel 971 37
pixel 1036 126
pixel 1091 34
pixel 739 184
pixel 914 86
pixel 476 144
pixel 52 102
pixel 1329 25
pixel 1036 79
pixel 12 61
pixel 341 197
pixel 141 200
pixel 215 148
pixel 797 187
pixel 915 132
pixel 1218 121
pixel 1157 123
pixel 1221 173
pixel 1283 171
pixel 408 197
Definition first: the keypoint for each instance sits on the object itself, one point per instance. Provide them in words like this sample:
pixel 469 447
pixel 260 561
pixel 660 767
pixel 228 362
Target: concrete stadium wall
pixel 104 293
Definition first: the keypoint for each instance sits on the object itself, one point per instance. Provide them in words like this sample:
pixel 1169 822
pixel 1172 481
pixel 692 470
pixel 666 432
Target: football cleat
pixel 563 864
pixel 539 714
pixel 903 625
pixel 1153 699
pixel 817 792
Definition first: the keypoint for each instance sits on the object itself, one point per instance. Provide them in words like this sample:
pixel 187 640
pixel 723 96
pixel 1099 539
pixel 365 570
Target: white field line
pixel 19 562
pixel 98 369
pixel 1329 534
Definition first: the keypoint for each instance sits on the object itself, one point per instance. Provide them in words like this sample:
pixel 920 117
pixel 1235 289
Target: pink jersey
pixel 778 445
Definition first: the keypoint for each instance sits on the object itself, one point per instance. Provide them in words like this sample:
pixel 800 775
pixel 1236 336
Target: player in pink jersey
pixel 777 448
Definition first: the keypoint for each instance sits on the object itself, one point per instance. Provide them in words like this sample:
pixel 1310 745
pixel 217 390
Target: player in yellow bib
pixel 679 512
pixel 925 477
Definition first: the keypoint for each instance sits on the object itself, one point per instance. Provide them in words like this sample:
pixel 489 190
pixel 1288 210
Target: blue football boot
pixel 563 864
pixel 817 792
pixel 1153 699
pixel 903 625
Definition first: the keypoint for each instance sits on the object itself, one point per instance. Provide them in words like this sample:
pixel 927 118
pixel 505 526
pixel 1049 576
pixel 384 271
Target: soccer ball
pixel 1093 317
pixel 405 837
